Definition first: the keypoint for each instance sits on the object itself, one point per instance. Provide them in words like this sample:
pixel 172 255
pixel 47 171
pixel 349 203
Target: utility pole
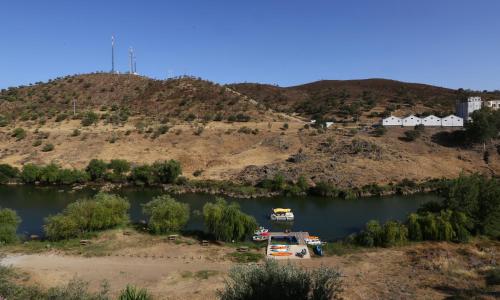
pixel 74 107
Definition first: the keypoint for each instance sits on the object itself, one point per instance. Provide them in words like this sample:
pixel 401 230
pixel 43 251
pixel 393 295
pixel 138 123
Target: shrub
pixel 380 131
pixel 133 293
pixel 274 281
pixel 72 176
pixel 48 147
pixel 165 214
pixel 411 135
pixel 37 143
pixel 9 221
pixel 89 118
pixel 8 173
pixel 143 175
pixel 167 171
pixel 96 169
pixel 76 132
pixel 61 117
pixel 30 173
pixel 103 211
pixel 19 134
pixel 226 221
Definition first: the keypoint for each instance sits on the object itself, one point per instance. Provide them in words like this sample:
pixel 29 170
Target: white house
pixel 452 121
pixel 466 108
pixel 493 104
pixel 412 120
pixel 431 121
pixel 392 121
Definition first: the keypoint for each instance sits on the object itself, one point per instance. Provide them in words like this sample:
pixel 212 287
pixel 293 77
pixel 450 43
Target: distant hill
pixel 345 97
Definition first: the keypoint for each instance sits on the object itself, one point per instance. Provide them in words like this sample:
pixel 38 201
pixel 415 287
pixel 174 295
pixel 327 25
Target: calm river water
pixel 327 218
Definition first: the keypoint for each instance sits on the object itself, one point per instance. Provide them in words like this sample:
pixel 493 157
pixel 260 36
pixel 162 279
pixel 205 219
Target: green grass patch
pixel 205 274
pixel 339 248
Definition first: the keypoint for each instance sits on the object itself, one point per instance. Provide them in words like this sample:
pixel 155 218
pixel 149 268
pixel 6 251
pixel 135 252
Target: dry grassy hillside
pixel 217 132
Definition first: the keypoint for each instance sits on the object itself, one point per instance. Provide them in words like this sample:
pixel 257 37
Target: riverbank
pixel 184 269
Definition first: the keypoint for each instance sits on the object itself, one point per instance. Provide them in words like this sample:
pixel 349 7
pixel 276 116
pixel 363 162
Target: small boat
pixel 318 250
pixel 279 247
pixel 261 230
pixel 260 238
pixel 313 241
pixel 280 250
pixel 281 254
pixel 282 214
pixel 312 237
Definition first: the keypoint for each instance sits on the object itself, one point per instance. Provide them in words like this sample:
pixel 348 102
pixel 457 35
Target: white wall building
pixel 466 108
pixel 452 121
pixel 411 120
pixel 431 120
pixel 493 104
pixel 392 121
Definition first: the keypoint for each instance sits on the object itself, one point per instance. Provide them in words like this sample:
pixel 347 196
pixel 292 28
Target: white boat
pixel 261 230
pixel 312 242
pixel 282 214
pixel 260 238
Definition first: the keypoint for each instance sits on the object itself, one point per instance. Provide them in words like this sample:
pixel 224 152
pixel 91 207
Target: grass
pixel 339 248
pixel 205 274
pixel 245 257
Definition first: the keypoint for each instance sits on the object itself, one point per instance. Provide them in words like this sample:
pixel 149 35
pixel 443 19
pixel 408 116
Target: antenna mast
pixel 112 54
pixel 130 60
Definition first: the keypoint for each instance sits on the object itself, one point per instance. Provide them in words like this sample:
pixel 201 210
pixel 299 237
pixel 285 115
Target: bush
pixel 411 135
pixel 19 134
pixel 143 175
pixel 48 147
pixel 133 293
pixel 167 171
pixel 96 169
pixel 76 132
pixel 30 173
pixel 89 118
pixel 275 281
pixel 165 214
pixel 103 211
pixel 119 166
pixel 37 143
pixel 226 221
pixel 9 221
pixel 8 173
pixel 380 131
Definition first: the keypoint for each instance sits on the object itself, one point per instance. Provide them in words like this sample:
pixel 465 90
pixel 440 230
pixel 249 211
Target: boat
pixel 312 242
pixel 260 238
pixel 280 250
pixel 261 230
pixel 282 214
pixel 279 247
pixel 281 254
pixel 318 250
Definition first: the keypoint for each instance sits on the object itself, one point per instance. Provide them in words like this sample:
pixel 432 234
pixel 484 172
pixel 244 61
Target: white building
pixel 392 121
pixel 452 121
pixel 466 108
pixel 411 120
pixel 493 104
pixel 431 121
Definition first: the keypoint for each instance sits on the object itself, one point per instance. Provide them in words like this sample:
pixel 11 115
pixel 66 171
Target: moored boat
pixel 261 231
pixel 281 254
pixel 260 238
pixel 282 214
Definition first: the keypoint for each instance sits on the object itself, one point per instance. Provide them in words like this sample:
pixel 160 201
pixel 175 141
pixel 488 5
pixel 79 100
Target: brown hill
pixel 347 98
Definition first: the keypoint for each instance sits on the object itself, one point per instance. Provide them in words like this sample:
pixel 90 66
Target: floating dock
pixel 295 241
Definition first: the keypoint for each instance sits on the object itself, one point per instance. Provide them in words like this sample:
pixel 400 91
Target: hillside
pixel 344 99
pixel 243 132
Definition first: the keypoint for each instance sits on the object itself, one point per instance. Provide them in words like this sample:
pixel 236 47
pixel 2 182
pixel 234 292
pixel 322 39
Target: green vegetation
pixel 133 293
pixel 245 257
pixel 48 147
pixel 89 118
pixel 96 169
pixel 8 173
pixel 52 174
pixel 226 221
pixel 119 168
pixel 485 126
pixel 19 134
pixel 275 281
pixel 9 221
pixel 166 215
pixel 104 211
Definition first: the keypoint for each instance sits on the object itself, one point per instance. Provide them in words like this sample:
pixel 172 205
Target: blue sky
pixel 452 43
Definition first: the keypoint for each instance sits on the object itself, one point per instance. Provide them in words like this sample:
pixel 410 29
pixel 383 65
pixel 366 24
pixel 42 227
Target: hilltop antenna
pixel 113 54
pixel 135 63
pixel 130 60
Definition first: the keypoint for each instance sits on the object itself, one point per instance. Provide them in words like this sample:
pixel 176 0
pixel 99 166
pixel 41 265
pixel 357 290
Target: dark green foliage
pixel 411 135
pixel 48 147
pixel 165 214
pixel 134 293
pixel 445 225
pixel 96 169
pixel 479 199
pixel 167 171
pixel 274 281
pixel 19 134
pixel 380 131
pixel 226 221
pixel 119 168
pixel 103 211
pixel 485 125
pixel 324 189
pixel 394 234
pixel 89 118
pixel 30 173
pixel 8 173
pixel 9 221
pixel 143 175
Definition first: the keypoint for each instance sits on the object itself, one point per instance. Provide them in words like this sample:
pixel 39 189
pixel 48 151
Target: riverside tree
pixel 165 214
pixel 9 221
pixel 226 221
pixel 103 211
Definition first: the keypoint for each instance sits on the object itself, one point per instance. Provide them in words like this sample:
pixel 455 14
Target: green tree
pixel 167 171
pixel 30 173
pixel 89 118
pixel 96 169
pixel 9 221
pixel 165 214
pixel 414 229
pixel 394 234
pixel 49 174
pixel 226 221
pixel 485 125
pixel 143 175
pixel 8 173
pixel 119 168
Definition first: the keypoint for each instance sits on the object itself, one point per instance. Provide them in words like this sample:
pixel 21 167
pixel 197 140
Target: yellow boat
pixel 281 254
pixel 281 210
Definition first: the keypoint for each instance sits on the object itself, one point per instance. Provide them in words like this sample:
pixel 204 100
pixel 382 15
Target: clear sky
pixel 452 43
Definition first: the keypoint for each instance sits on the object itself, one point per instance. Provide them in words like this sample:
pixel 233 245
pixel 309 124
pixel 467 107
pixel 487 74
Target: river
pixel 328 218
